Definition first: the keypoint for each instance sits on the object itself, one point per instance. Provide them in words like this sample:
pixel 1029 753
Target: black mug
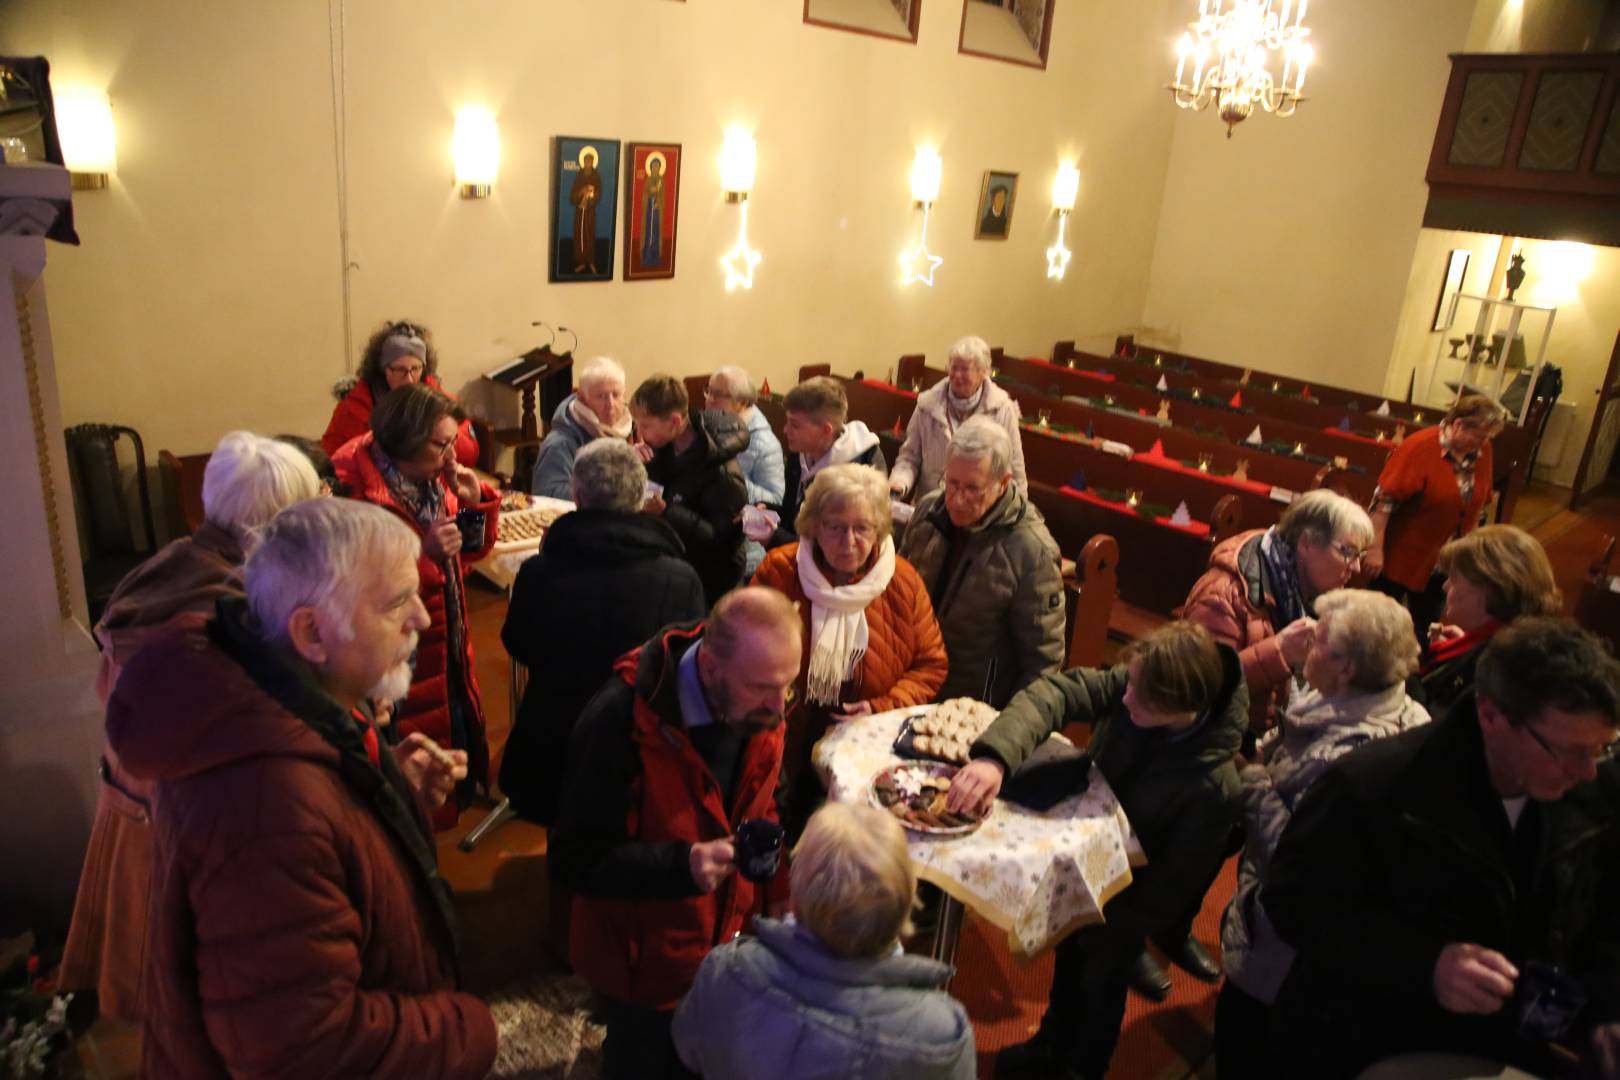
pixel 759 849
pixel 1546 1001
pixel 471 523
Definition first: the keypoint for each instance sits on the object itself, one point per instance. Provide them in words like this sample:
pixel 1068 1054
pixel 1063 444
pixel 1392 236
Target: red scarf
pixel 1449 650
pixel 368 732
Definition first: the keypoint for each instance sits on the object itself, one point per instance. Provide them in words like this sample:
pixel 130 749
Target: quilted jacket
pixel 299 927
pixel 920 465
pixel 352 419
pixel 1233 601
pixel 1001 614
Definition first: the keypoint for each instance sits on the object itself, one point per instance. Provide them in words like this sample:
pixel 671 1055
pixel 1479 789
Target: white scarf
pixel 963 407
pixel 586 417
pixel 838 633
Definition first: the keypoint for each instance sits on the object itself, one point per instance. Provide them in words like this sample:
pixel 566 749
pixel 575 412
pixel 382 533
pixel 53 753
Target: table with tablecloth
pixel 1036 875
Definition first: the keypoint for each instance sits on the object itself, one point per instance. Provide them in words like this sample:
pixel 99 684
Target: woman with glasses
pixel 407 464
pixel 1259 596
pixel 398 354
pixel 1495 574
pixel 1361 651
pixel 1433 489
pixel 872 643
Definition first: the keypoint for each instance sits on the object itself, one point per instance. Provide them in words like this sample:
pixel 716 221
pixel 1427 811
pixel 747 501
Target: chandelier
pixel 1232 47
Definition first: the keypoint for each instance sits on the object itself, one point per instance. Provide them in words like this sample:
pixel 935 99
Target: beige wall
pixel 1288 246
pixel 1535 26
pixel 208 294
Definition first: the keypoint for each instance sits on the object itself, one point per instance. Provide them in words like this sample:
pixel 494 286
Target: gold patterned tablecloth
pixel 1038 876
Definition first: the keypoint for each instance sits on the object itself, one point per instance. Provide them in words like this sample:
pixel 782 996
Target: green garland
pixel 1142 509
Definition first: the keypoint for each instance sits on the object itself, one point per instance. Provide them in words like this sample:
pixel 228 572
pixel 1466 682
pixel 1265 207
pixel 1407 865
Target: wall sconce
pixel 85 126
pixel 1064 189
pixel 738 158
pixel 476 150
pixel 918 264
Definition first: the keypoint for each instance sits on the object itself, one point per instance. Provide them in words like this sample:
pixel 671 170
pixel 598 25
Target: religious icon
pixel 652 179
pixel 996 196
pixel 584 208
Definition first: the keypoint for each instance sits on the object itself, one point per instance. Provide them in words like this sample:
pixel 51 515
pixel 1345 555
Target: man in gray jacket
pixel 991 568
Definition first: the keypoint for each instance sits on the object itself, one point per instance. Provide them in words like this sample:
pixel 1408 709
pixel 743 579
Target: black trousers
pixel 1243 1040
pixel 1087 1004
pixel 638 1045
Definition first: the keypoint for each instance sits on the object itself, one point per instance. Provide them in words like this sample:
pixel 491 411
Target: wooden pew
pixel 1164 561
pixel 181 477
pixel 1598 607
pixel 1092 602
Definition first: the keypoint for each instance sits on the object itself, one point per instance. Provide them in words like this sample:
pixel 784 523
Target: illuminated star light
pixel 918 264
pixel 1057 256
pixel 741 259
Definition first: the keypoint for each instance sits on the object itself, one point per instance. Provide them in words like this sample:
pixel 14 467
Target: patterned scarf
pixel 1280 563
pixel 425 503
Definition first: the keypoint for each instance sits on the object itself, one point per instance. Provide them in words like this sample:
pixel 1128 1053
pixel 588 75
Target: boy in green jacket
pixel 1166 725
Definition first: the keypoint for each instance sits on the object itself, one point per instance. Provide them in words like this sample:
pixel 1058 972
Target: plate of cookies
pixel 946 732
pixel 914 792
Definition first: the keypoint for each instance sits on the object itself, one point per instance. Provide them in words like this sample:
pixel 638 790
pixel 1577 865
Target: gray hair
pixel 609 475
pixel 971 348
pixel 598 369
pixel 249 478
pixel 1321 516
pixel 1372 631
pixel 319 553
pixel 980 438
pixel 738 384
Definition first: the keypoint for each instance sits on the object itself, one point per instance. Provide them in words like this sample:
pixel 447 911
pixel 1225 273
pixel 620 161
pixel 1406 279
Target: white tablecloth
pixel 501 565
pixel 1038 876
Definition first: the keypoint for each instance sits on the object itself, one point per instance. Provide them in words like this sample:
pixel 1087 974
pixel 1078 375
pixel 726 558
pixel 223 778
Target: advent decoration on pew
pixel 1344 425
pixel 1237 400
pixel 1382 410
pixel 1182 515
pixel 765 388
pixel 1078 480
pixel 1162 385
pixel 1164 409
pixel 1254 438
pixel 1241 473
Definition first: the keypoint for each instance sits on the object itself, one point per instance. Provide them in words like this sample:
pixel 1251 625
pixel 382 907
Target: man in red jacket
pixel 299 927
pixel 679 748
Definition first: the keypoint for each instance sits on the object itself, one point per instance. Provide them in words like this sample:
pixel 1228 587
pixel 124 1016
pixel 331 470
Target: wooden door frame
pixel 1608 391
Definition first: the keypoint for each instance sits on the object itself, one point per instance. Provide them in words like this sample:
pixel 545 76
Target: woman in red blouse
pixel 1433 489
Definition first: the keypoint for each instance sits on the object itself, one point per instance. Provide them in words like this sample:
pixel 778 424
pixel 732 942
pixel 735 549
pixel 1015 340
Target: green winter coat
pixel 1182 796
pixel 1001 614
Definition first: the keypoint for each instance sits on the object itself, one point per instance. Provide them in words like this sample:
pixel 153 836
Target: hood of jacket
pixel 723 434
pixel 1358 716
pixel 1239 556
pixel 1007 512
pixel 610 537
pixel 189 574
pixel 1210 745
pixel 166 729
pixel 799 949
pixel 855 440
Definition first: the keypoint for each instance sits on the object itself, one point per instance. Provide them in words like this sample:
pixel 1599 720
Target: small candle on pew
pixel 1045 417
pixel 1108 399
pixel 1205 461
pixel 1158 360
pixel 1133 498
pixel 1382 435
pixel 1417 418
pixel 1197 393
pixel 1299 448
pixel 1275 386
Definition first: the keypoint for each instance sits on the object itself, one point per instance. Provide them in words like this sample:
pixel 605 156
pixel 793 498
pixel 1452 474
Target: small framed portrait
pixel 584 208
pixel 996 196
pixel 652 189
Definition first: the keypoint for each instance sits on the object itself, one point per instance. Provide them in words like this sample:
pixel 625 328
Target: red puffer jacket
pixel 299 928
pixel 352 419
pixel 1232 602
pixel 427 708
pixel 646 950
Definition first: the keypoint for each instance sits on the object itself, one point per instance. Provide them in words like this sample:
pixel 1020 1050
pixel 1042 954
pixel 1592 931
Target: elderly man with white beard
pixel 298 924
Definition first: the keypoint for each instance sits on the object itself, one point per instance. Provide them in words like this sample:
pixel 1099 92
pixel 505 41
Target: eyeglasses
pixel 716 395
pixel 1348 553
pixel 406 371
pixel 440 447
pixel 1577 755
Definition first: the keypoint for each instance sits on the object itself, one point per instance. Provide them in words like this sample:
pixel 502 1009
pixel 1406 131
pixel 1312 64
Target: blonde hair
pixel 1511 567
pixel 1180 667
pixel 821 398
pixel 853 881
pixel 839 486
pixel 1373 632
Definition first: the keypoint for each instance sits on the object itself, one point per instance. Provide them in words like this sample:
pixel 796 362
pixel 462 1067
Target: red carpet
pixel 1158 1041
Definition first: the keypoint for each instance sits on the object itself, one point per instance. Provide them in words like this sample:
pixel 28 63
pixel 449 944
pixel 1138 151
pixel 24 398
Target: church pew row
pixel 1292 474
pixel 1513 450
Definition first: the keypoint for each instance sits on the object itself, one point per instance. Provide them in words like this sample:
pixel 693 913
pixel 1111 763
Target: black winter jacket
pixel 1403 847
pixel 604 582
pixel 704 495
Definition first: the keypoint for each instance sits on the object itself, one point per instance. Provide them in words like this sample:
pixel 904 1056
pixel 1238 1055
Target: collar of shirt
pixel 1187 733
pixel 695 711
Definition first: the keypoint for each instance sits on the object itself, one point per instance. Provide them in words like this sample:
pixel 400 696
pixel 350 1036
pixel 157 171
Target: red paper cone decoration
pixel 1237 400
pixel 1305 392
pixel 1157 449
pixel 897 429
pixel 765 388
